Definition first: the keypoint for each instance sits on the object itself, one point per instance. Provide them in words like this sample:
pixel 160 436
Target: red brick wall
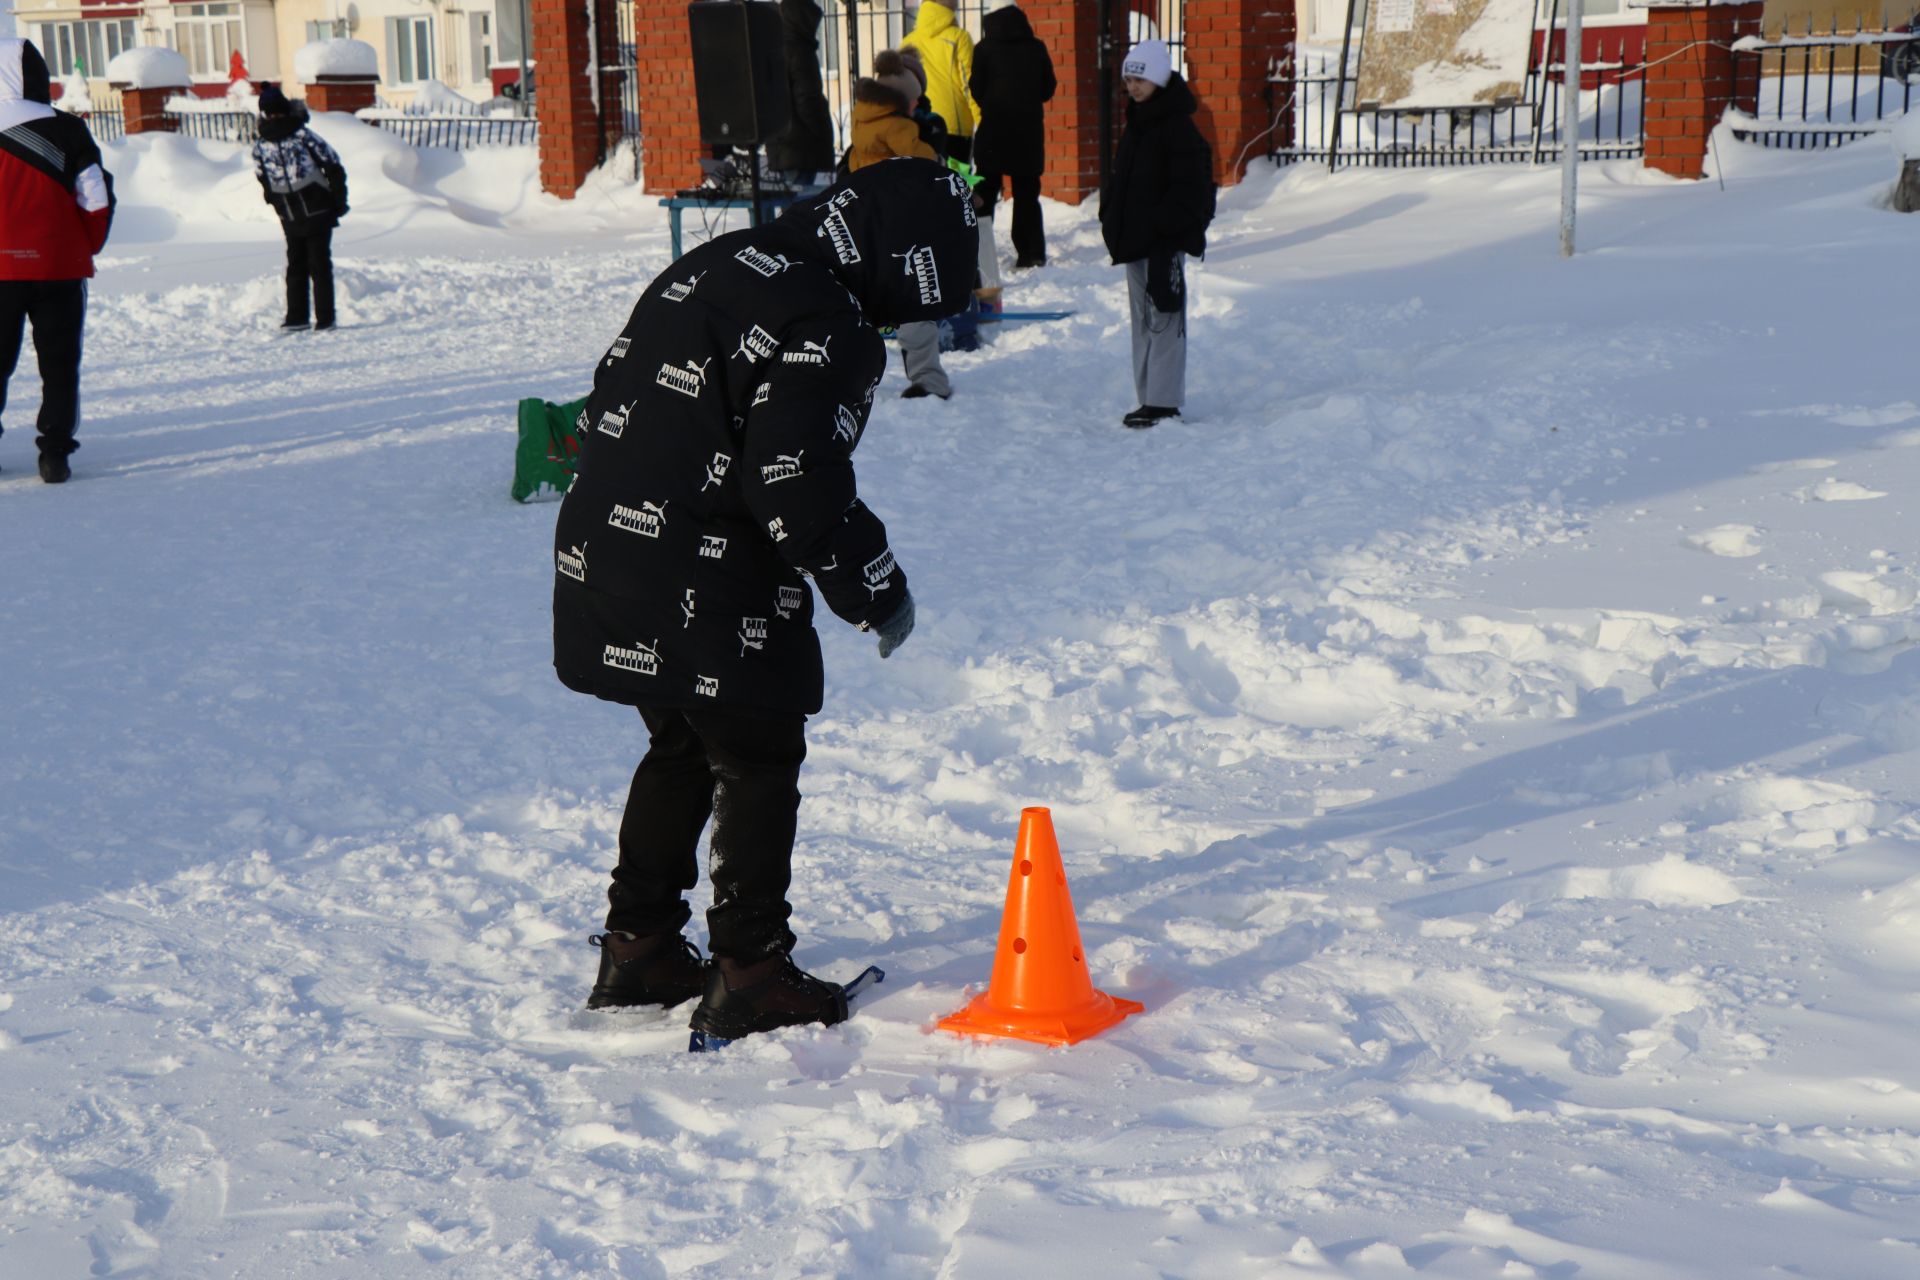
pixel 1230 46
pixel 670 147
pixel 341 95
pixel 572 133
pixel 1071 31
pixel 146 110
pixel 1690 80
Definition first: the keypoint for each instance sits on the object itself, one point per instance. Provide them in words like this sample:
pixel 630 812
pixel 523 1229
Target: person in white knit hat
pixel 1154 214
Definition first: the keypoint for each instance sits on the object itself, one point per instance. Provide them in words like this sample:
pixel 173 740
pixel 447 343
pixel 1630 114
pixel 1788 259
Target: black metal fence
pixel 456 133
pixel 1822 89
pixel 852 31
pixel 216 126
pixel 1331 124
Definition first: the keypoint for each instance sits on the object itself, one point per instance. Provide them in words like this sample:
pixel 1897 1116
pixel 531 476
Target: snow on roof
pixel 149 67
pixel 335 58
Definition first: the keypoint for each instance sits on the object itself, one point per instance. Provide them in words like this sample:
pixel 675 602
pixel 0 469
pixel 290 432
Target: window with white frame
pixel 207 35
pixel 331 30
pixel 480 28
pixel 409 50
pixel 86 47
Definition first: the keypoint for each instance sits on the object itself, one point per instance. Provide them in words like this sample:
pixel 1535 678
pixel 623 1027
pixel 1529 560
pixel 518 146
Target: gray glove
pixel 898 626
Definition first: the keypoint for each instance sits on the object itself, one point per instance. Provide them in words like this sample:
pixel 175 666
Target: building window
pixel 480 26
pixel 409 50
pixel 335 30
pixel 85 47
pixel 207 35
pixel 507 24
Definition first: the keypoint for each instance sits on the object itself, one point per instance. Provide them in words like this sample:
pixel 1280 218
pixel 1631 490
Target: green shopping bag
pixel 549 447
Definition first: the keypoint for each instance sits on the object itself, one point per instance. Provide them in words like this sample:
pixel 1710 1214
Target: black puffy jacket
pixel 1160 192
pixel 716 473
pixel 1012 77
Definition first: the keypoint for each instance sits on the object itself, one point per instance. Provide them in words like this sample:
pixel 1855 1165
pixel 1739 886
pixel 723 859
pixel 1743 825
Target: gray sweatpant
pixel 920 350
pixel 1159 340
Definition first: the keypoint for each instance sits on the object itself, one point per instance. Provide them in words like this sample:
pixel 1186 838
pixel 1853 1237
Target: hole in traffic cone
pixel 1040 990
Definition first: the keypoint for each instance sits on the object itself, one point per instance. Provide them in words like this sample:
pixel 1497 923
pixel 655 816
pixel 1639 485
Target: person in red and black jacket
pixel 56 205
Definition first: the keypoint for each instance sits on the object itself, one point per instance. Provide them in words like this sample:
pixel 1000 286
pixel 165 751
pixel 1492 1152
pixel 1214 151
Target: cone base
pixel 982 1017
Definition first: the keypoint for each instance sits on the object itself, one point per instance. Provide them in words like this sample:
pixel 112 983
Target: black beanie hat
pixel 34 84
pixel 273 102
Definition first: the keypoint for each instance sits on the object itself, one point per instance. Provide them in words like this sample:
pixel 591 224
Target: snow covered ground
pixel 1483 734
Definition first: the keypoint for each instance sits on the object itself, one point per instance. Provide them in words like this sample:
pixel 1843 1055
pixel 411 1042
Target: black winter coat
pixel 716 476
pixel 1012 77
pixel 296 157
pixel 1160 190
pixel 806 144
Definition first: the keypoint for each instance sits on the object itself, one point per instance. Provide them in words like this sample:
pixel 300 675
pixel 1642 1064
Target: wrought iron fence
pixel 1330 124
pixel 1822 89
pixel 106 124
pixel 216 126
pixel 852 31
pixel 629 68
pixel 456 133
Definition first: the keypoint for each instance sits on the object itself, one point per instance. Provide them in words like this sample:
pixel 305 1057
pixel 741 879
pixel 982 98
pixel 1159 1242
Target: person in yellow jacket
pixel 946 54
pixel 883 124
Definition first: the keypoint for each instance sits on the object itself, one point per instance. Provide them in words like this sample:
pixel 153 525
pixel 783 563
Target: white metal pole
pixel 1570 128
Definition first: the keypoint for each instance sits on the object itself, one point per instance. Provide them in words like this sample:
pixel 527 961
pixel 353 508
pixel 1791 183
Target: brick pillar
pixel 342 93
pixel 146 109
pixel 570 131
pixel 1232 47
pixel 1690 78
pixel 1071 31
pixel 670 148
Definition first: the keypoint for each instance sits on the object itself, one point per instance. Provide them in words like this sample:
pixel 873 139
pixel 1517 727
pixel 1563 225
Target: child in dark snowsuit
pixel 303 179
pixel 883 128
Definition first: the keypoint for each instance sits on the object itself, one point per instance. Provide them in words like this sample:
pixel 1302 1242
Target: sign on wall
pixel 1430 54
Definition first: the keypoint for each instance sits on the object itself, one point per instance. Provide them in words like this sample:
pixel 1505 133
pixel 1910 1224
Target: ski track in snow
pixel 1513 889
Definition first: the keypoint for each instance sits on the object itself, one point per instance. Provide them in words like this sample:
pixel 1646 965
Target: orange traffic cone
pixel 1040 989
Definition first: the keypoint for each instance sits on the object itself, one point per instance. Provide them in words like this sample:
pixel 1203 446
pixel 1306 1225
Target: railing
pixel 1820 90
pixel 106 124
pixel 216 126
pixel 456 133
pixel 1512 131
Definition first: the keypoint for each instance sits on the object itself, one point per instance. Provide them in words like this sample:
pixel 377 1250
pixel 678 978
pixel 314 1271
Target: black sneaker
pixel 54 468
pixel 1148 414
pixel 917 392
pixel 664 969
pixel 763 996
pixel 322 326
pixel 293 326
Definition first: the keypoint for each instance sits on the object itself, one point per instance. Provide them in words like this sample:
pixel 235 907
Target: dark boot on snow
pixel 764 995
pixel 663 969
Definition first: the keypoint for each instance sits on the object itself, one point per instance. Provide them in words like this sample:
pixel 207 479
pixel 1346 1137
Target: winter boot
pixel 54 468
pixel 664 969
pixel 1148 414
pixel 767 994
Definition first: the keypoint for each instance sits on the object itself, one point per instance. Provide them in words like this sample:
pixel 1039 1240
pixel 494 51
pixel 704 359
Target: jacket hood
pixel 1008 23
pixel 872 100
pixel 801 18
pixel 280 128
pixel 23 73
pixel 900 234
pixel 932 19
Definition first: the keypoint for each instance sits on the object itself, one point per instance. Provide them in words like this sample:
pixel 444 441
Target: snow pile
pixel 149 67
pixel 74 95
pixel 326 59
pixel 433 98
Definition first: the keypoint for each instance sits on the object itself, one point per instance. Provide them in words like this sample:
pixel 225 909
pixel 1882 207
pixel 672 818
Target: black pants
pixel 1029 232
pixel 309 259
pixel 741 770
pixel 58 310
